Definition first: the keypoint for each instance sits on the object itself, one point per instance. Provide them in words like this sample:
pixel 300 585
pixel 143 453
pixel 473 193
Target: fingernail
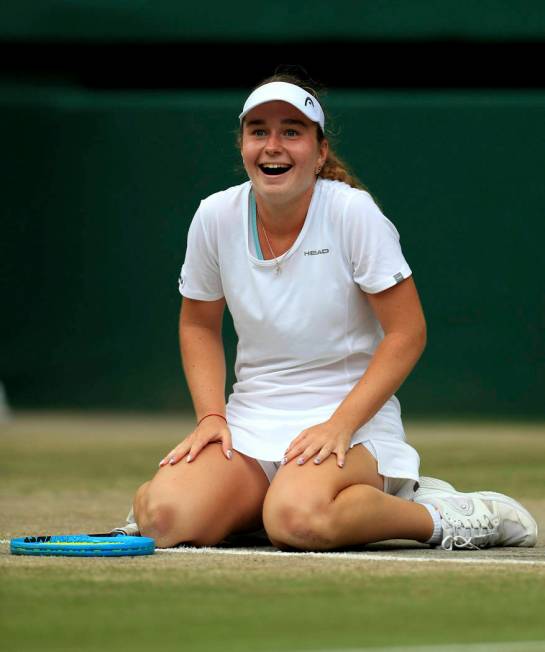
pixel 162 462
pixel 301 460
pixel 171 460
pixel 341 464
pixel 317 460
pixel 189 458
pixel 284 460
pixel 229 454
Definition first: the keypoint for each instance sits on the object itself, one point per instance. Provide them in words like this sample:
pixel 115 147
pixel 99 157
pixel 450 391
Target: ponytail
pixel 336 169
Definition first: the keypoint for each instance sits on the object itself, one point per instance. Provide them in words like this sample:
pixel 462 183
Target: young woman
pixel 310 445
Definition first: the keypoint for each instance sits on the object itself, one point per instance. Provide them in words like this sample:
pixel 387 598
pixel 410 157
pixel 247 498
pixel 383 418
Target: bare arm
pixel 400 313
pixel 203 360
pixel 203 355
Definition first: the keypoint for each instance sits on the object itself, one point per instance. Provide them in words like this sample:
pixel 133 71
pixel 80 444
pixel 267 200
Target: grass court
pixel 69 473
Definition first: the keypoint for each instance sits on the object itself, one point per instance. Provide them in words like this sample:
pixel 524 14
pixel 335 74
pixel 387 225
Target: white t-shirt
pixel 306 334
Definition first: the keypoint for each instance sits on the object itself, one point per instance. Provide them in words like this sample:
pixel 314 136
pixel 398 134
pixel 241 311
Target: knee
pixel 298 525
pixel 158 521
pixel 169 524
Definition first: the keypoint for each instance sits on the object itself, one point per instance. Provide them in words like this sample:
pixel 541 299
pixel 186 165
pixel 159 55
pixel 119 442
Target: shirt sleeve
pixel 372 245
pixel 200 274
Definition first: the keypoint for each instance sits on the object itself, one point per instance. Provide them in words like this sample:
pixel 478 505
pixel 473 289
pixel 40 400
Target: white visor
pixel 290 93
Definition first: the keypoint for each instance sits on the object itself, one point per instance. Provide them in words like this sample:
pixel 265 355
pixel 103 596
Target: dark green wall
pixel 279 21
pixel 99 189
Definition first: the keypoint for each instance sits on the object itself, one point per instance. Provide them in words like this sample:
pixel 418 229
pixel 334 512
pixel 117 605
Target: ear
pixel 324 151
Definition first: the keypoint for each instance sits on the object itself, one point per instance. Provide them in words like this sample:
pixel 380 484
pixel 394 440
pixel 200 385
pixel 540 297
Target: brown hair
pixel 334 167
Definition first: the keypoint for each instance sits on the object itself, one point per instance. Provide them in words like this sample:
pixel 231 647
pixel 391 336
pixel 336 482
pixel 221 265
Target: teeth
pixel 275 169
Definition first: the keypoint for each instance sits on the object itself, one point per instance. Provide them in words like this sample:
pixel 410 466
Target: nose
pixel 273 142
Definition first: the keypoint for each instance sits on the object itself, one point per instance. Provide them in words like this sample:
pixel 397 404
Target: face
pixel 280 151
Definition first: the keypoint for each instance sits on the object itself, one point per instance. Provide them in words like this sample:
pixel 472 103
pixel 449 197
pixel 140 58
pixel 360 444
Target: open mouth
pixel 274 169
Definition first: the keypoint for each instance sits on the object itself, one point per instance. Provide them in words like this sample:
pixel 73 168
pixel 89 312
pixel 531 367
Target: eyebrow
pixel 286 121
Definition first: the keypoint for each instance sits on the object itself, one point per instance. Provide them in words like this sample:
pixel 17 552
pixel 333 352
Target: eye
pixel 291 133
pixel 258 132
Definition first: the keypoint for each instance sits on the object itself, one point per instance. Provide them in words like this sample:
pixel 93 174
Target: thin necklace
pixel 278 268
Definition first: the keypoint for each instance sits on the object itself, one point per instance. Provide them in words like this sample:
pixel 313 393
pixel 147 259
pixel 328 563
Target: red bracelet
pixel 213 414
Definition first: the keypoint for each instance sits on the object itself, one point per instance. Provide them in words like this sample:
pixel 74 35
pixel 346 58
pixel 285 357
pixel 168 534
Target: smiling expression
pixel 281 152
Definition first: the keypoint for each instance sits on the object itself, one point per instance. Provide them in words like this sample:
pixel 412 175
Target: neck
pixel 282 219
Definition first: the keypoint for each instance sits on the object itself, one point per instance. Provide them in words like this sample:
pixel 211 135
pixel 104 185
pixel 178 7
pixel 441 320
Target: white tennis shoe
pixel 479 519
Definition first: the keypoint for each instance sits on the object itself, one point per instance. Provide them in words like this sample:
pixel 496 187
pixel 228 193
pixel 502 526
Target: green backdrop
pixel 99 189
pixel 160 20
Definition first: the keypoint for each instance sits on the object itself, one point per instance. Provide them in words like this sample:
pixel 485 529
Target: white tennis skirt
pixel 264 434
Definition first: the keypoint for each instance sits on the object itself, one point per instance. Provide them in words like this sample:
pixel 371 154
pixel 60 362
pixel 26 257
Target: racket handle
pixel 126 531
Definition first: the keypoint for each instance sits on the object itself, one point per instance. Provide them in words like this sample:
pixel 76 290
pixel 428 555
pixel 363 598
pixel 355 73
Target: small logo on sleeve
pixel 398 277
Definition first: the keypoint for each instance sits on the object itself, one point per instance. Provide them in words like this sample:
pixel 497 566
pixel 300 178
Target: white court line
pixel 512 646
pixel 359 556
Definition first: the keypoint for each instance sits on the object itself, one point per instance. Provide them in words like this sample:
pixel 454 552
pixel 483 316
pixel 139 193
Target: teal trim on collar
pixel 253 221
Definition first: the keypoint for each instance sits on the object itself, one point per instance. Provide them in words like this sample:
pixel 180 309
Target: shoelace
pixel 479 534
pixel 452 541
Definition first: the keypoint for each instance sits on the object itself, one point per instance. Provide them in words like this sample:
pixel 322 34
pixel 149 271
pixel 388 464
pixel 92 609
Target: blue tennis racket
pixel 83 545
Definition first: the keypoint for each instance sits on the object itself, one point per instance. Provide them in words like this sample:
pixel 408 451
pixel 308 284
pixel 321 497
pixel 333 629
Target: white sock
pixel 437 535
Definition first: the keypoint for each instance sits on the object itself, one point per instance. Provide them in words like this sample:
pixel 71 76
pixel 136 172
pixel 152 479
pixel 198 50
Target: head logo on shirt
pixel 315 252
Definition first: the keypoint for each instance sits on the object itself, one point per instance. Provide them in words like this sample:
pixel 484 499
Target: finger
pixel 340 458
pixel 177 453
pixel 175 456
pixel 297 441
pixel 227 446
pixel 168 457
pixel 323 454
pixel 294 452
pixel 308 452
pixel 291 446
pixel 197 447
pixel 164 460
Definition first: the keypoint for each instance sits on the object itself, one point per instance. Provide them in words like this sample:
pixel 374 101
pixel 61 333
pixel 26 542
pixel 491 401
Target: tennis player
pixel 311 444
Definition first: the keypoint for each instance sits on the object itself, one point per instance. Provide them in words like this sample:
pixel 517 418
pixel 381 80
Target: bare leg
pixel 383 517
pixel 322 507
pixel 202 502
